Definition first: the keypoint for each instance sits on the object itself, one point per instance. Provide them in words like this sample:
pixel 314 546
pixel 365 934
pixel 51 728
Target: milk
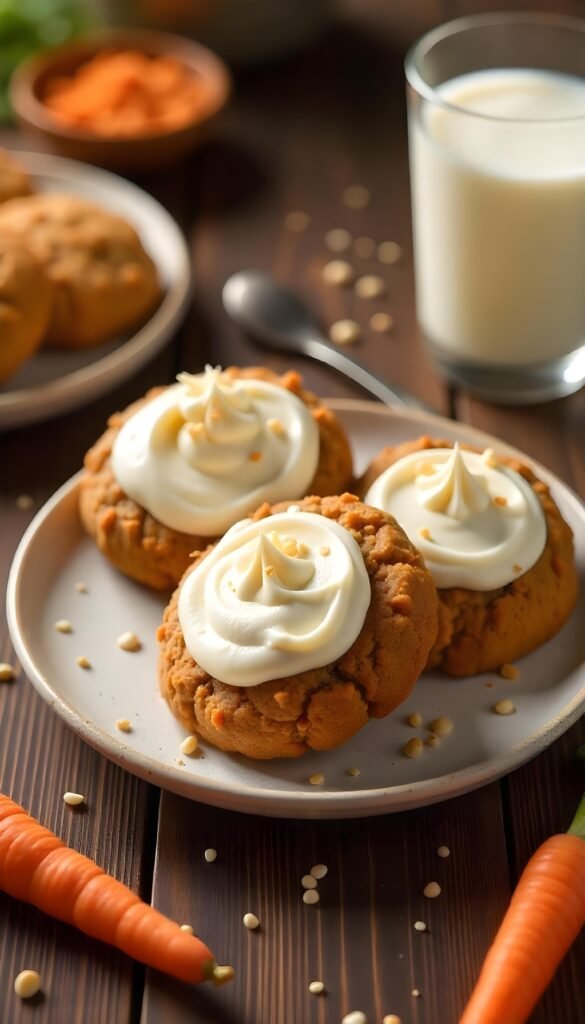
pixel 499 216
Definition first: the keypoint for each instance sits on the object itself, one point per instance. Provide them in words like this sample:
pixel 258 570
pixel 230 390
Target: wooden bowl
pixel 131 153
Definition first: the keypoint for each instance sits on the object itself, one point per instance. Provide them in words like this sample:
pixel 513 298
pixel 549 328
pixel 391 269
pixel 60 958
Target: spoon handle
pixel 321 350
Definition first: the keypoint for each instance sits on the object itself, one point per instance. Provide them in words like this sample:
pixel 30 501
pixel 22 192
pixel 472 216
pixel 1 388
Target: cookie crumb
pixel 354 772
pixel 27 984
pixel 370 286
pixel 356 197
pixel 222 973
pixel 319 871
pixel 355 1017
pixel 276 427
pixel 432 740
pixel 488 458
pixel 500 500
pixel 316 988
pixel 180 762
pixel 83 662
pixel 413 748
pixel 517 568
pixel 337 273
pixel 317 779
pixel 297 221
pixel 310 896
pixel 128 642
pixel 391 1018
pixel 441 726
pixel 308 882
pixel 443 851
pixel 7 672
pixel 414 720
pixel 338 240
pixel 420 926
pixel 425 533
pixel 324 550
pixel 123 724
pixel 382 323
pixel 416 993
pixel 187 928
pixel 189 745
pixel 389 252
pixel 345 332
pixel 432 890
pixel 509 672
pixel 255 456
pixel 250 921
pixel 63 626
pixel 505 707
pixel 24 502
pixel 81 587
pixel 73 799
pixel 210 855
pixel 364 247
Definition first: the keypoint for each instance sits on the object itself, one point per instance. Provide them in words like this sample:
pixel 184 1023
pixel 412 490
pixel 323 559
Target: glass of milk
pixel 496 110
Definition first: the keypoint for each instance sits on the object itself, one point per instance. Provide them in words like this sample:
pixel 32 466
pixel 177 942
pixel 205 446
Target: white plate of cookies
pixel 94 278
pixel 355 652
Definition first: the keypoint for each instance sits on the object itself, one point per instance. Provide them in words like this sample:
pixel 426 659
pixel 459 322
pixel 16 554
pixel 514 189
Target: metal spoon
pixel 277 318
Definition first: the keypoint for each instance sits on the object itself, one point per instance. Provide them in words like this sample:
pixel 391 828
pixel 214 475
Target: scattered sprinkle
pixel 413 748
pixel 187 928
pixel 324 550
pixel 319 871
pixel 517 568
pixel 189 745
pixel 310 896
pixel 270 570
pixel 83 662
pixel 345 332
pixel 180 762
pixel 354 772
pixel 416 993
pixel 505 707
pixel 337 273
pixel 338 240
pixel 123 724
pixel 297 221
pixel 27 984
pixel 500 500
pixel 432 740
pixel 317 779
pixel 308 882
pixel 425 533
pixel 389 252
pixel 509 672
pixel 316 988
pixel 255 456
pixel 356 197
pixel 73 799
pixel 370 286
pixel 355 1017
pixel 195 430
pixel 382 323
pixel 415 720
pixel 303 549
pixel 7 672
pixel 128 642
pixel 432 890
pixel 420 926
pixel 441 726
pixel 210 855
pixel 63 626
pixel 364 247
pixel 250 921
pixel 222 973
pixel 488 458
pixel 81 587
pixel 276 426
pixel 24 502
pixel 391 1018
pixel 443 851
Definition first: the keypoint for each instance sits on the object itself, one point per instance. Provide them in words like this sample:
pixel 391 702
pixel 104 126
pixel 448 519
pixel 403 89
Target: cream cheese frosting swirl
pixel 209 449
pixel 477 523
pixel 275 597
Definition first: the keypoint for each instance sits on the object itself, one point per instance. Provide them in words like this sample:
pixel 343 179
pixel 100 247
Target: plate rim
pixel 43 401
pixel 294 803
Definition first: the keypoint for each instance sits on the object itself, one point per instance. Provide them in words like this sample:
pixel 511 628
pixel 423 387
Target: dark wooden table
pixel 295 136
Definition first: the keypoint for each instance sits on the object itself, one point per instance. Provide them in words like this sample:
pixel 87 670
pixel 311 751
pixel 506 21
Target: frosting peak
pixel 270 568
pixel 451 488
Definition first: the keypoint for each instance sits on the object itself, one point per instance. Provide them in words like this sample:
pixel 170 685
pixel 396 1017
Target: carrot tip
pixel 220 974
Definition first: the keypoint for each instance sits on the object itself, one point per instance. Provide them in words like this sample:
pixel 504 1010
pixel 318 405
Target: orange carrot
pixel 37 867
pixel 545 916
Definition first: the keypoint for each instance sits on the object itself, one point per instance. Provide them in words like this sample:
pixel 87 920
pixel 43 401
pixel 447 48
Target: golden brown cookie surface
pixel 139 545
pixel 14 180
pixel 25 306
pixel 104 282
pixel 322 708
pixel 480 630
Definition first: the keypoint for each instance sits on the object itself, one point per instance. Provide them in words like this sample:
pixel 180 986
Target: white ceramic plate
pixel 54 554
pixel 54 380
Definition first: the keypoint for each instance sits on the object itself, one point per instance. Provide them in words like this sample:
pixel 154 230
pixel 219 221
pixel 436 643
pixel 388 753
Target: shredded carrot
pixel 35 866
pixel 126 93
pixel 545 916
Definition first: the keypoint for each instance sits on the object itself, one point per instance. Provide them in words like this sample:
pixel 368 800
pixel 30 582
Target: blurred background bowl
pixel 128 153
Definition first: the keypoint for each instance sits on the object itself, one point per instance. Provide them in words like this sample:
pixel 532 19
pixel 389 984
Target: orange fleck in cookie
pixel 14 181
pixel 104 282
pixel 223 443
pixel 368 651
pixel 25 306
pixel 510 592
